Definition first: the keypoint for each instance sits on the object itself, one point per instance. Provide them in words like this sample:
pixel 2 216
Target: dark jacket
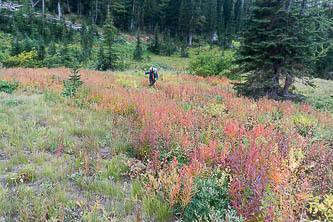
pixel 152 76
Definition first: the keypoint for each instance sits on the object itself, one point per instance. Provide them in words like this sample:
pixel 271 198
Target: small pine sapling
pixel 72 83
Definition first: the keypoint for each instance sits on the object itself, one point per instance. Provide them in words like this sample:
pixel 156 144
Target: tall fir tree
pixel 101 58
pixel 171 23
pixel 52 50
pixel 138 52
pixel 86 38
pixel 109 35
pixel 155 45
pixel 40 46
pixel 189 18
pixel 27 44
pixel 150 14
pixel 324 66
pixel 227 23
pixel 16 47
pixel 280 43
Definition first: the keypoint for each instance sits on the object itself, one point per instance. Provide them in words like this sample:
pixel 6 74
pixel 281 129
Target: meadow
pixel 188 149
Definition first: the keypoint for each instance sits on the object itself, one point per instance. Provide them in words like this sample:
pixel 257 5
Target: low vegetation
pixel 319 94
pixel 192 151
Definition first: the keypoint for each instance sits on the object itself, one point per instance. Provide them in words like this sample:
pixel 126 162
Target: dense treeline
pixel 55 27
pixel 213 19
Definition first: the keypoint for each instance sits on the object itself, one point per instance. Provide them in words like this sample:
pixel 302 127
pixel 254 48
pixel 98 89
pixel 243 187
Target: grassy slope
pixel 61 159
pixel 320 96
pixel 46 184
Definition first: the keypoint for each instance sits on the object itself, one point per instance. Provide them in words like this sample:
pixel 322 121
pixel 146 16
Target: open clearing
pixel 100 155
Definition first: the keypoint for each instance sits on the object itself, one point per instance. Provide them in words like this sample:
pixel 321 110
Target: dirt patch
pixel 132 38
pixel 3 157
pixel 105 153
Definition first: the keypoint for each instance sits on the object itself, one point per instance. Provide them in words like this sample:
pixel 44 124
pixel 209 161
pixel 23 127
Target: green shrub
pixel 215 109
pixel 175 152
pixel 8 87
pixel 24 59
pixel 5 46
pixel 213 63
pixel 321 207
pixel 211 201
pixel 25 175
pixel 305 124
pixel 52 61
pixel 121 63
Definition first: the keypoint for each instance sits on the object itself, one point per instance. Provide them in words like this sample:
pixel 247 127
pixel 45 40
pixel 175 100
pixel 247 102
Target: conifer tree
pixel 86 41
pixel 65 55
pixel 41 50
pixel 16 47
pixel 155 45
pixel 101 58
pixel 52 50
pixel 183 50
pixel 72 84
pixel 138 53
pixel 109 35
pixel 279 44
pixel 27 44
pixel 168 45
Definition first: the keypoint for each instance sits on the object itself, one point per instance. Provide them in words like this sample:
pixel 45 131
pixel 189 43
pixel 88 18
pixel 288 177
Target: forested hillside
pixel 209 18
pixel 75 28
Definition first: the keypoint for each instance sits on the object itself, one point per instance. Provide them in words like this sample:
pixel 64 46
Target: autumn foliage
pixel 275 167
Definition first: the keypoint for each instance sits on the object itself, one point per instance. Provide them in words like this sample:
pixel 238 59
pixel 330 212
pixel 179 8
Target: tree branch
pixel 303 7
pixel 33 4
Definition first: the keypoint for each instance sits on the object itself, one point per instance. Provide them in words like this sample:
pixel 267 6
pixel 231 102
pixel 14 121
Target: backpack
pixel 155 73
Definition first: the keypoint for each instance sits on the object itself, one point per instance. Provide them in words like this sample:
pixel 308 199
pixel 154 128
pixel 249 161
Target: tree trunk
pixel 79 7
pixel 59 10
pixel 96 12
pixel 43 13
pixel 33 4
pixel 43 9
pixel 303 7
pixel 287 84
pixel 275 79
pixel 214 37
pixel 132 24
pixel 199 48
pixel 275 89
pixel 68 7
pixel 190 39
pixel 132 19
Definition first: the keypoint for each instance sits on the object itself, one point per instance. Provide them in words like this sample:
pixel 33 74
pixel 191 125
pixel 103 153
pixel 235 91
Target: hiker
pixel 152 76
